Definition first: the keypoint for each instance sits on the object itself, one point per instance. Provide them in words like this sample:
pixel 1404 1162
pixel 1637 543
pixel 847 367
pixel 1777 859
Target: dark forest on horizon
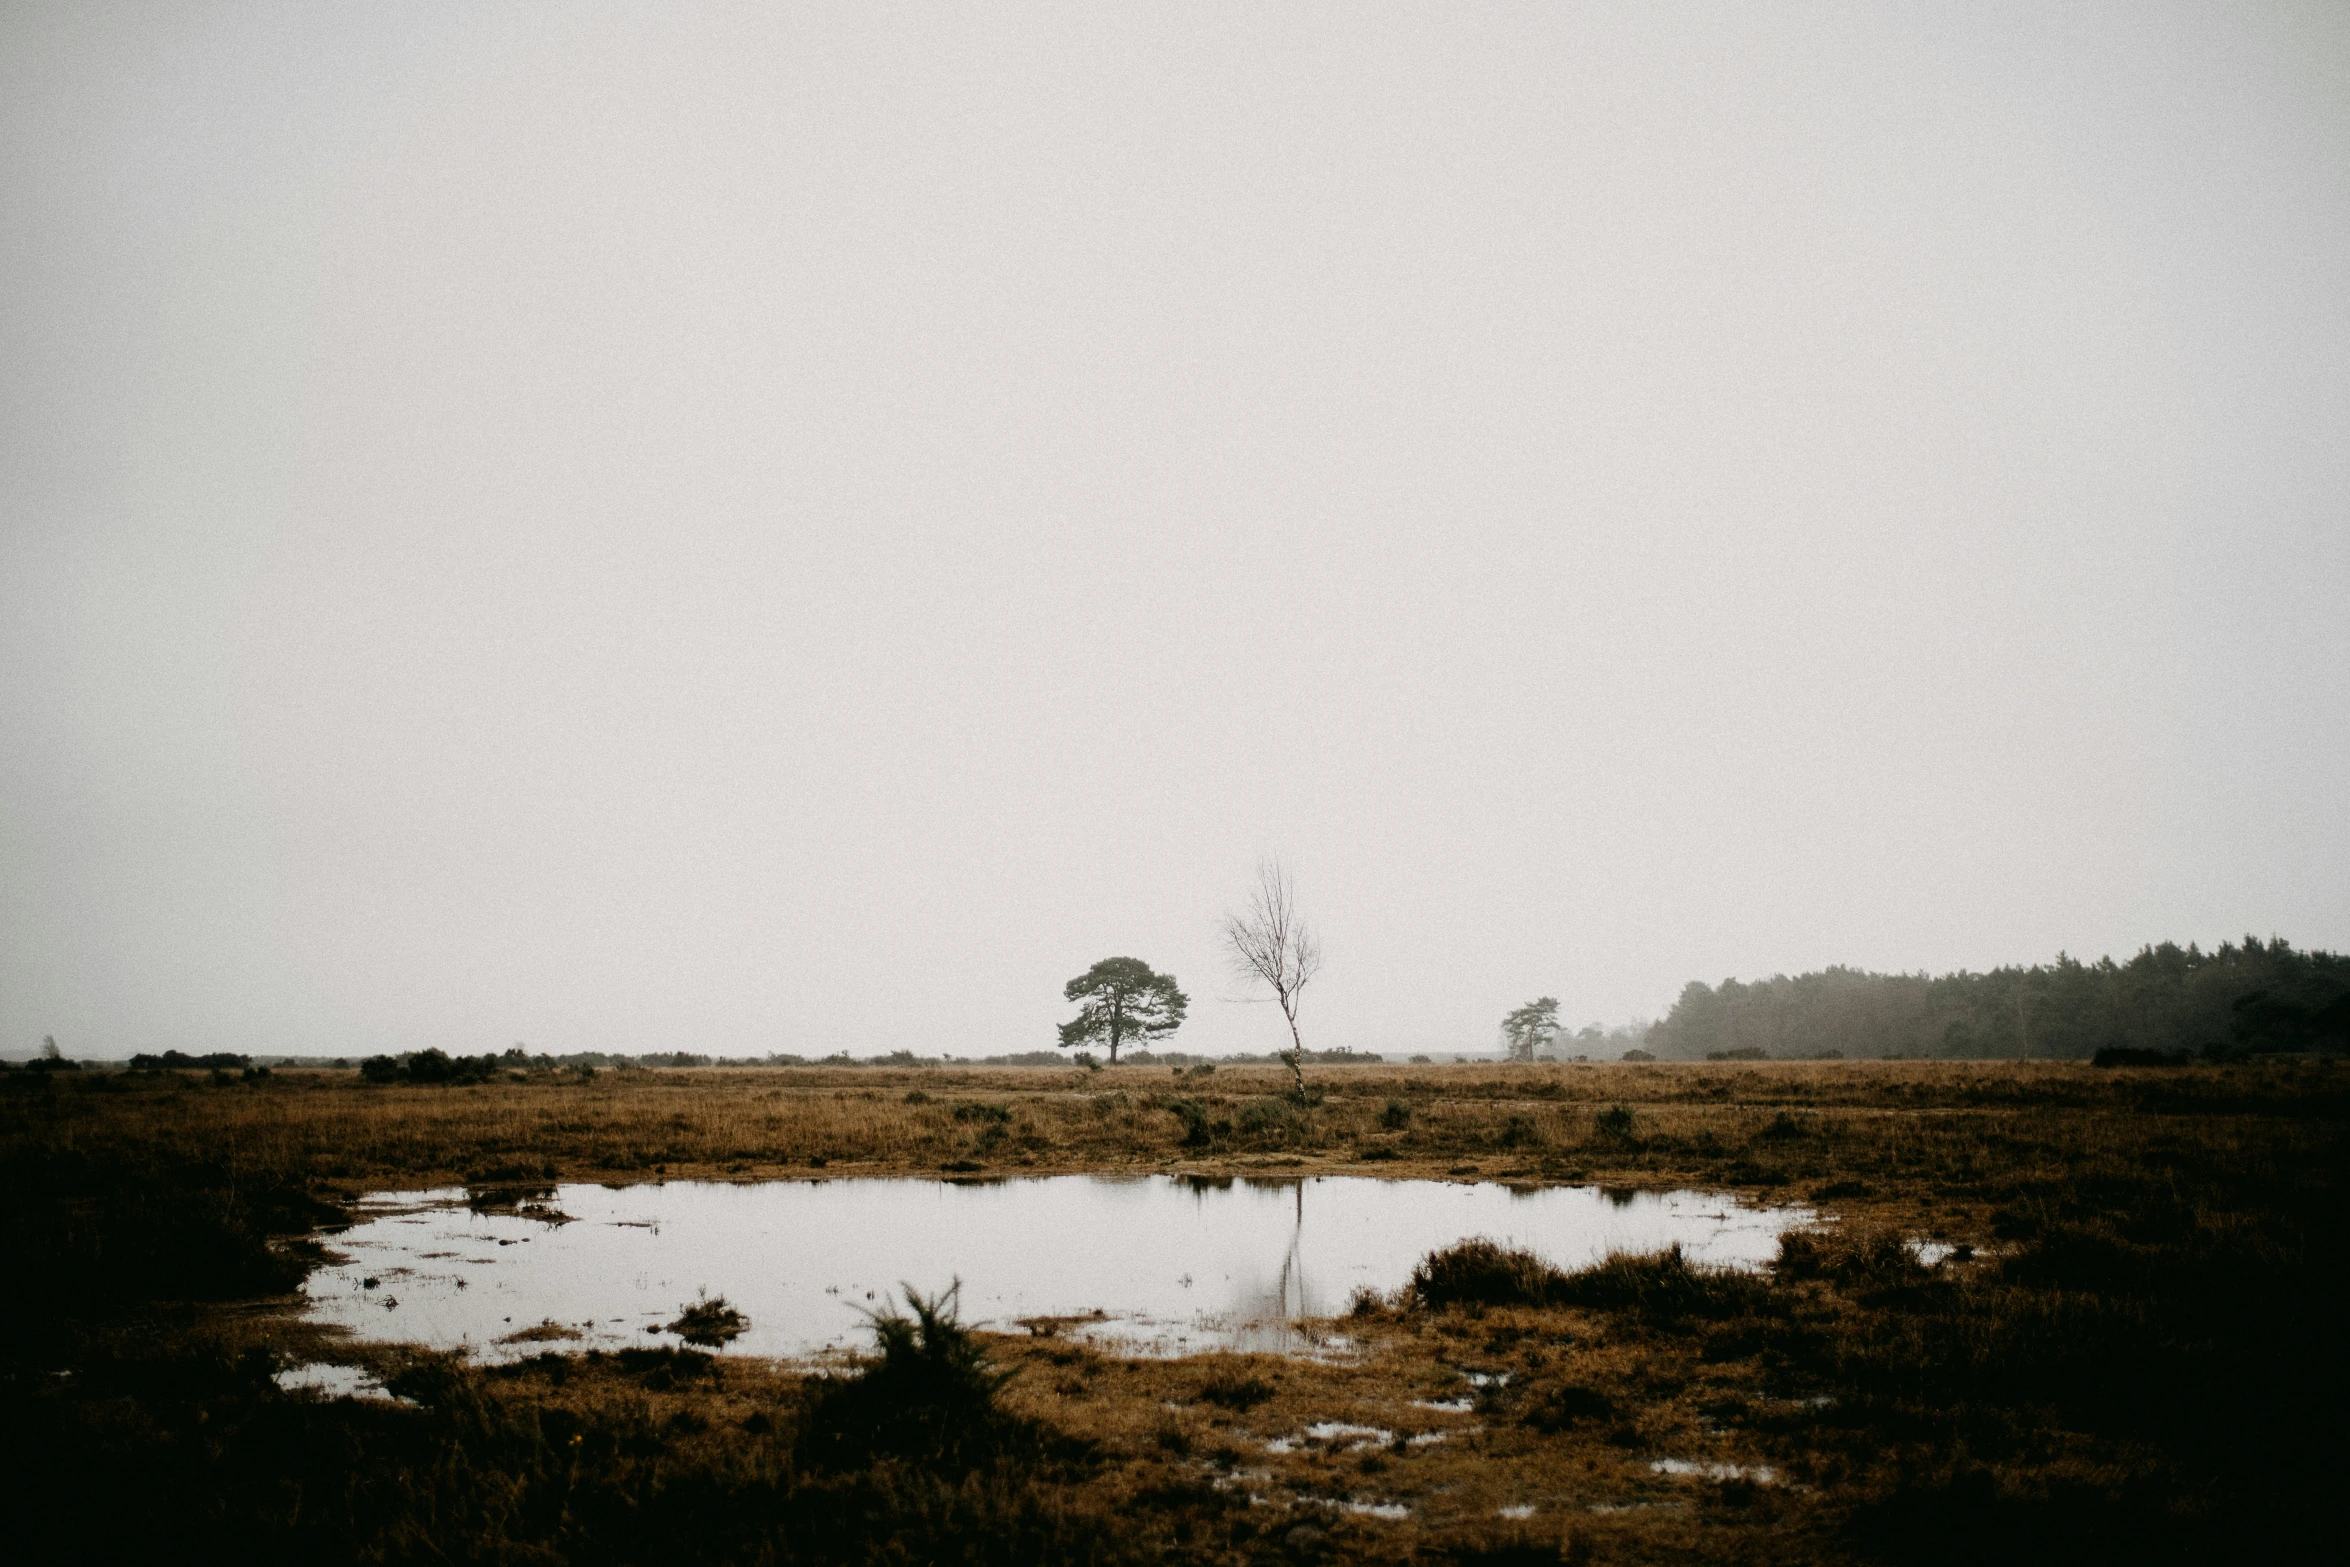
pixel 2245 998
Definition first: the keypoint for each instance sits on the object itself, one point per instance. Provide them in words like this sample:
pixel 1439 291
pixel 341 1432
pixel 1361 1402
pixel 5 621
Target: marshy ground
pixel 2129 1345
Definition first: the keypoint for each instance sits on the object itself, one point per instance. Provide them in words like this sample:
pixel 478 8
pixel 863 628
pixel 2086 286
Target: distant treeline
pixel 181 1061
pixel 1595 1043
pixel 2168 1001
pixel 439 1066
pixel 1338 1057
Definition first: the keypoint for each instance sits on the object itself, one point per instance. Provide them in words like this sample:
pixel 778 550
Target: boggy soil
pixel 2133 1349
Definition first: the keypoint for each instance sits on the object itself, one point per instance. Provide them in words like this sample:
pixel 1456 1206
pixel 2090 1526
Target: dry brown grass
pixel 2155 1251
pixel 1916 1140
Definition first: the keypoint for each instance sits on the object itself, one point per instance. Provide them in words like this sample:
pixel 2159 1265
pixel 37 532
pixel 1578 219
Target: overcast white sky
pixel 763 527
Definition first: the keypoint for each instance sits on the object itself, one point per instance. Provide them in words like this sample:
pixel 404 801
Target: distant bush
pixel 1638 1055
pixel 432 1066
pixel 178 1061
pixel 1742 1053
pixel 2118 1055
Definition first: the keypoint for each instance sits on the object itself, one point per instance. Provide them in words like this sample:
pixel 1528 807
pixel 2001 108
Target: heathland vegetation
pixel 2122 1343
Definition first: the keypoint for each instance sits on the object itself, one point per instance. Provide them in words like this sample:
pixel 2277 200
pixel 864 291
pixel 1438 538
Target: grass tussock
pixel 929 1397
pixel 1658 1286
pixel 1480 1272
pixel 1235 1389
pixel 709 1323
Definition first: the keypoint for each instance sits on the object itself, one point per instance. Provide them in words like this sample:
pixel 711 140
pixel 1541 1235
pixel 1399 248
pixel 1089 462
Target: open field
pixel 2140 1354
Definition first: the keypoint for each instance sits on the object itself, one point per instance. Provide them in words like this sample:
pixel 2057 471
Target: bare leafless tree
pixel 1269 945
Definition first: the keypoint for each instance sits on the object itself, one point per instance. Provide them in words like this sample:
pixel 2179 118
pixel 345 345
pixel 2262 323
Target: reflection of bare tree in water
pixel 1293 1265
pixel 1270 1321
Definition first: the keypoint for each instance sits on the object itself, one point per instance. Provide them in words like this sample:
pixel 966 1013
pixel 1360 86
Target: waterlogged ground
pixel 2061 1313
pixel 1154 1265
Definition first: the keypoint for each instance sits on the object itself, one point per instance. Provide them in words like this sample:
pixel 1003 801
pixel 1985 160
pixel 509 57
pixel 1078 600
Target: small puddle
pixel 1761 1474
pixel 1138 1265
pixel 1365 1507
pixel 1336 1435
pixel 329 1380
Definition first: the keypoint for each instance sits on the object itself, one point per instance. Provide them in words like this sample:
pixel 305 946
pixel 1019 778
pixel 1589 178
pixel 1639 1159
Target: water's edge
pixel 1147 1265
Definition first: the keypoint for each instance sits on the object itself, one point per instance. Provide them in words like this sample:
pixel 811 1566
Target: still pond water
pixel 1154 1265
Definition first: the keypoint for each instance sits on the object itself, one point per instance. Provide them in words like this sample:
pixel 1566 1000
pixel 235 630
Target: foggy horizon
pixel 651 529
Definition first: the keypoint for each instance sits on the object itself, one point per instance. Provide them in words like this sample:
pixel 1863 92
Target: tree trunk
pixel 1296 1054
